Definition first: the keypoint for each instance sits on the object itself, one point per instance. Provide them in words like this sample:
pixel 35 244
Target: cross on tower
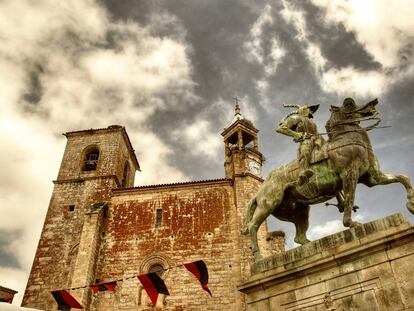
pixel 236 100
pixel 237 108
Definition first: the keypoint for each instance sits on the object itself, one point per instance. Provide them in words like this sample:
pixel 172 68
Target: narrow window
pixel 125 175
pixel 158 219
pixel 91 159
pixel 71 208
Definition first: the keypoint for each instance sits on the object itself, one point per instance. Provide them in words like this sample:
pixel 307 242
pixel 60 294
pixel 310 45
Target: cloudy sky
pixel 168 70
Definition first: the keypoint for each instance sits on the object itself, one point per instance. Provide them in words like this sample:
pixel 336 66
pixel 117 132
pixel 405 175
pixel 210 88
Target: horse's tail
pixel 249 216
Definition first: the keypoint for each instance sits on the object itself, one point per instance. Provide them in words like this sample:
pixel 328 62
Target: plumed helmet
pixel 303 110
pixel 308 111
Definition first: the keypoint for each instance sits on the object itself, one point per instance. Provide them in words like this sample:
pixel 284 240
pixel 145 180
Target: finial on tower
pixel 237 114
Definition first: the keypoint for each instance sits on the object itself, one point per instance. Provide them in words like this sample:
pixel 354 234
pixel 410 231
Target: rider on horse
pixel 299 124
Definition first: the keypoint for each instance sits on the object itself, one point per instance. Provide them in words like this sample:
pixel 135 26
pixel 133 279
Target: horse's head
pixel 350 114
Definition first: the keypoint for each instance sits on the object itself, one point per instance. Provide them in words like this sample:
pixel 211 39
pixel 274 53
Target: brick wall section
pixel 197 224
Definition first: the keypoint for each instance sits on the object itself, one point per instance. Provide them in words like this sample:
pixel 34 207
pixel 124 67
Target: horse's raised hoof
pixel 301 241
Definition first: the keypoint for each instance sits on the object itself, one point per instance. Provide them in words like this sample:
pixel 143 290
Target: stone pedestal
pixel 370 267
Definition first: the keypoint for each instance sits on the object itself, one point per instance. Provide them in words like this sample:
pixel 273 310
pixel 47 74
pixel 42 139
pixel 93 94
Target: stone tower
pixel 243 164
pixel 94 162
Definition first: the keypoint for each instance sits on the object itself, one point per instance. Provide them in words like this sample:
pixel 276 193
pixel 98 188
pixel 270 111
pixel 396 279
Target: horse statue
pixel 343 161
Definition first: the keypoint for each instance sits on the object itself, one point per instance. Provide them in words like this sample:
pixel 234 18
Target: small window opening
pixel 71 208
pixel 91 160
pixel 157 268
pixel 158 218
pixel 125 175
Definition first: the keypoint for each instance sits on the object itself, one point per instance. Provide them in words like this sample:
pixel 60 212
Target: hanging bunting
pixel 8 298
pixel 65 300
pixel 151 282
pixel 103 287
pixel 199 270
pixel 153 285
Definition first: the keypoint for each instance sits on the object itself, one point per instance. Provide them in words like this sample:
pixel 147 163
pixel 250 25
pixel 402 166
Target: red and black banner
pixel 103 287
pixel 199 270
pixel 153 285
pixel 8 299
pixel 65 300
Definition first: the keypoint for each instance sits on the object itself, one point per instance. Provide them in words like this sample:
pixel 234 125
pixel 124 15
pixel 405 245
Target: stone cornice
pixel 82 179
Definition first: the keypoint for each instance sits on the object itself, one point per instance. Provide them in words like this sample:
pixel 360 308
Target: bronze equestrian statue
pixel 336 167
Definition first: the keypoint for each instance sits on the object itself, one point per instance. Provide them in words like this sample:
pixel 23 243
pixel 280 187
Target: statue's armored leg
pixel 301 221
pixel 349 182
pixel 375 177
pixel 304 162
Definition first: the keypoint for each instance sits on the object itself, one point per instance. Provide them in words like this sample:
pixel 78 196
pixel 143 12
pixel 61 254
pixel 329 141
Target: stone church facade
pixel 100 227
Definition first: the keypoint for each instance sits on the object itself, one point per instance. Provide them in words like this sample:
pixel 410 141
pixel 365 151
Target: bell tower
pixel 242 155
pixel 243 165
pixel 95 161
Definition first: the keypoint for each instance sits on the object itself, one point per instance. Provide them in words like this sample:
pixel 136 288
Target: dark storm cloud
pixel 7 258
pixel 338 45
pixel 34 88
pixel 216 33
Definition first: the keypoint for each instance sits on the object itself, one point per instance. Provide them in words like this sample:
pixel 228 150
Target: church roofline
pixel 111 128
pixel 179 184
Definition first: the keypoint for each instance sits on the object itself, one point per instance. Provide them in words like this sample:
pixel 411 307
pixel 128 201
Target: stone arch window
pixel 157 268
pixel 125 175
pixel 153 263
pixel 90 159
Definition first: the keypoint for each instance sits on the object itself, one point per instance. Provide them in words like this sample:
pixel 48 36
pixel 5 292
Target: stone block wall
pixel 196 224
pixel 59 243
pixel 368 267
